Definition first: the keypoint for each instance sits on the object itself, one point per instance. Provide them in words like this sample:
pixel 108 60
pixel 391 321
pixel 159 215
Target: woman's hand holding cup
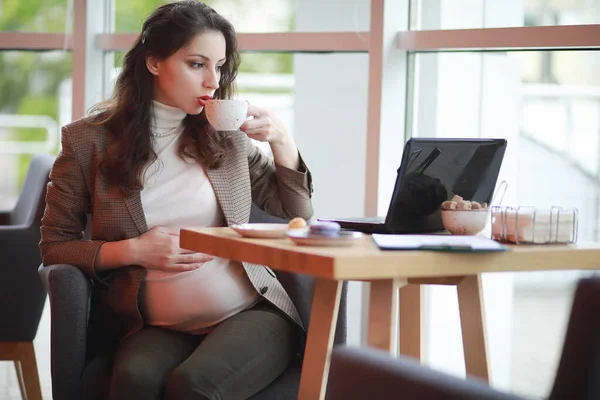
pixel 263 126
pixel 233 115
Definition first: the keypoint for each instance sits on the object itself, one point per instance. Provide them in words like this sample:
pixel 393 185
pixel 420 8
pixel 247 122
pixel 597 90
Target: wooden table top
pixel 364 260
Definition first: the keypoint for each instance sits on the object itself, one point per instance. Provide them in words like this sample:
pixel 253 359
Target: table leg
pixel 472 320
pixel 383 313
pixel 319 342
pixel 411 320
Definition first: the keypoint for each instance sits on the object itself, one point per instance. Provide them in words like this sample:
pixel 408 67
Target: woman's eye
pixel 197 65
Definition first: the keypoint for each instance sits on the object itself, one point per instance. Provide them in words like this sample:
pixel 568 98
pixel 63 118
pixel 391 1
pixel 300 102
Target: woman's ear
pixel 152 65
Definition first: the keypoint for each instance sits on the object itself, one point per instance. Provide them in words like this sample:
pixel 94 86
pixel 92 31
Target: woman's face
pixel 191 75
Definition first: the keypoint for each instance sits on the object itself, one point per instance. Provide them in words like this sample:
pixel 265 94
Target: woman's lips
pixel 202 100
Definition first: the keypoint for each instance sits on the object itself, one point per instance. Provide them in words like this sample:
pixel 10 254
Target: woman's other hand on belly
pixel 159 249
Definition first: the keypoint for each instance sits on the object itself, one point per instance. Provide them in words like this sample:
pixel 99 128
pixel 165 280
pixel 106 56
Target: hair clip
pixel 144 36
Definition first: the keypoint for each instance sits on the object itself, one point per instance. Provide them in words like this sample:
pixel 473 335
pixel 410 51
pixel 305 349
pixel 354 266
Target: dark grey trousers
pixel 241 356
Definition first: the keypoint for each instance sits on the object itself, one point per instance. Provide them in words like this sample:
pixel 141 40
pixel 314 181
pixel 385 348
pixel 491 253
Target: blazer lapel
pixel 226 181
pixel 218 180
pixel 133 202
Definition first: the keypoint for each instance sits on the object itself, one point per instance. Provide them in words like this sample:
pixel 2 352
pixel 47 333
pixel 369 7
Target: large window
pixel 545 103
pixel 352 79
pixel 535 85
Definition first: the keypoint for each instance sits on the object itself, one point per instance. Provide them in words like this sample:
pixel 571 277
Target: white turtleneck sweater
pixel 178 194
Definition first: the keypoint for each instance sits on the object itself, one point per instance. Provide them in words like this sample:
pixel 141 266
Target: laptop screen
pixel 434 170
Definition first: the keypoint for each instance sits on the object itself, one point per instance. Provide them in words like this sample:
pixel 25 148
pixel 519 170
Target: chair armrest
pixel 69 290
pixel 19 284
pixel 5 217
pixel 363 373
pixel 15 233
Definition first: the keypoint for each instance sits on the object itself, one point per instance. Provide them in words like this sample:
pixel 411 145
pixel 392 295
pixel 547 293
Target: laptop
pixel 432 171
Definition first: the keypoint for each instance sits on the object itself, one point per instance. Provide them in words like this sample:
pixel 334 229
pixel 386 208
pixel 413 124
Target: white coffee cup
pixel 226 115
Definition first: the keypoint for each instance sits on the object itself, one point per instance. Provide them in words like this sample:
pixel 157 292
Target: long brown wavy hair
pixel 127 113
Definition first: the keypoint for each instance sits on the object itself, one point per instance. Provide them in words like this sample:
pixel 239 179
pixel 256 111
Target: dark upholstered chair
pixel 22 295
pixel 368 373
pixel 74 377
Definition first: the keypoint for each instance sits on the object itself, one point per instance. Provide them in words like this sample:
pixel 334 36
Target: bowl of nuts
pixel 464 217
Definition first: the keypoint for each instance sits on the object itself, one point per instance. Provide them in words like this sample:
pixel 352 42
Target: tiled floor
pixel 540 318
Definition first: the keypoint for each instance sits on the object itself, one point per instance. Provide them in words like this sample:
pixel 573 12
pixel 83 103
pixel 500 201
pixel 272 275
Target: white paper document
pixel 436 243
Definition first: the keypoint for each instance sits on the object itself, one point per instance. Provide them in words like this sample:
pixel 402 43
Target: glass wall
pixel 549 110
pixel 545 102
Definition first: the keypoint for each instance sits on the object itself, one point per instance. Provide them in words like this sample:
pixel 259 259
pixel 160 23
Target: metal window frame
pixel 280 41
pixel 567 37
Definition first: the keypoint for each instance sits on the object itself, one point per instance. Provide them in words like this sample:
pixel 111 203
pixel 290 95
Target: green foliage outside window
pixel 29 81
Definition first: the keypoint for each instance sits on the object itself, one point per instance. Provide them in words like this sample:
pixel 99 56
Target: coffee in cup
pixel 226 115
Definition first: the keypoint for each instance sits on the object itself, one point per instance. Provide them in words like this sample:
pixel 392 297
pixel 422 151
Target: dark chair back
pixel 20 285
pixel 32 200
pixel 358 373
pixel 578 374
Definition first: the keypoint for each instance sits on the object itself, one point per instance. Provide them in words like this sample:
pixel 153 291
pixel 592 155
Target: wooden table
pixel 387 271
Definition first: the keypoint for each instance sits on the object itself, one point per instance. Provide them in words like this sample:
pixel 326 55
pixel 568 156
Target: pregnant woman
pixel 172 323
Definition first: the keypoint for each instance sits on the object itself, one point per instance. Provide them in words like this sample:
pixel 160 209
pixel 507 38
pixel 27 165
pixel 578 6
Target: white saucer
pixel 261 231
pixel 305 238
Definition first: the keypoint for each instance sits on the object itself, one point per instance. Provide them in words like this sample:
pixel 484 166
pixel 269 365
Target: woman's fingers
pixel 256 112
pixel 186 251
pixel 256 123
pixel 258 131
pixel 169 231
pixel 189 262
pixel 184 267
pixel 192 258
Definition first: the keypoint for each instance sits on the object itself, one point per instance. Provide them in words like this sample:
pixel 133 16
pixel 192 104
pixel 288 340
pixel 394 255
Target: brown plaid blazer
pixel 76 189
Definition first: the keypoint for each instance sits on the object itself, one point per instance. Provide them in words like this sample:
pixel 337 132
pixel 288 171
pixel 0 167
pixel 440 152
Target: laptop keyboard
pixel 367 220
